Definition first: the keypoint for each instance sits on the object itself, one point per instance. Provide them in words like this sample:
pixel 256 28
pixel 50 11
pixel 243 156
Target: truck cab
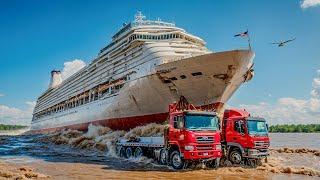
pixel 244 138
pixel 193 136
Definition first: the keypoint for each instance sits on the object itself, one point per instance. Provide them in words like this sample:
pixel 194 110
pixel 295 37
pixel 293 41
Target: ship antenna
pixel 139 17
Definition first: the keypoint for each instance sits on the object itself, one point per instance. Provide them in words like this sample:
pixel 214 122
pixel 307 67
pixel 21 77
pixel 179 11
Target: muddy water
pixel 74 155
pixel 295 140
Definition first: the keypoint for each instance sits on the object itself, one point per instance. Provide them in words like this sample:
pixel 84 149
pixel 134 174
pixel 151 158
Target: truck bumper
pixel 256 153
pixel 202 155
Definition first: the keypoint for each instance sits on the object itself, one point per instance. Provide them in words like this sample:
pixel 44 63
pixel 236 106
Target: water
pixel 75 156
pixel 295 140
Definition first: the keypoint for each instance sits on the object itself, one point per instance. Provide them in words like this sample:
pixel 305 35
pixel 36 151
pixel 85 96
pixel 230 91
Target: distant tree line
pixel 4 127
pixel 293 128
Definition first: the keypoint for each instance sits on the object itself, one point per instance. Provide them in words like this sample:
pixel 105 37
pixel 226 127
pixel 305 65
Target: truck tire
pixel 176 161
pixel 252 163
pixel 122 152
pixel 129 152
pixel 138 152
pixel 235 156
pixel 214 163
pixel 163 157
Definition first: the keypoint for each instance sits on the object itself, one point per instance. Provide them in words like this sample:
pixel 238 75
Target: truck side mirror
pixel 181 122
pixel 239 128
pixel 242 129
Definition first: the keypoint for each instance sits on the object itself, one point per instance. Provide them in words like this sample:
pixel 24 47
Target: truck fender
pixel 173 145
pixel 230 144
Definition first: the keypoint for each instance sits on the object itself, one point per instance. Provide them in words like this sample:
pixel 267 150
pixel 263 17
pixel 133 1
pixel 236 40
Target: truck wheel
pixel 235 156
pixel 128 152
pixel 252 163
pixel 259 162
pixel 138 152
pixel 176 161
pixel 214 163
pixel 122 152
pixel 163 157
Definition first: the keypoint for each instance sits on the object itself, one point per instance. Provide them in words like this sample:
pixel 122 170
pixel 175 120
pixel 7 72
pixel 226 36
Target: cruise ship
pixel 148 65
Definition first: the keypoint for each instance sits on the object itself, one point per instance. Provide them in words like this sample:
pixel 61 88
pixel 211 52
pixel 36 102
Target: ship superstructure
pixel 148 65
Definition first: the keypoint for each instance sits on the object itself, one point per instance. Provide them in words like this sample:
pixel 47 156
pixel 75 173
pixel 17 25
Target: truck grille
pixel 201 148
pixel 205 139
pixel 261 144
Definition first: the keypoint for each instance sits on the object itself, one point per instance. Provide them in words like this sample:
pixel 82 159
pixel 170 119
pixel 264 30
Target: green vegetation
pixel 4 127
pixel 292 128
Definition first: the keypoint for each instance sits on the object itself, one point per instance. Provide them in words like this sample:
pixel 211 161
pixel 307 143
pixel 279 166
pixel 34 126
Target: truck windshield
pixel 257 127
pixel 201 121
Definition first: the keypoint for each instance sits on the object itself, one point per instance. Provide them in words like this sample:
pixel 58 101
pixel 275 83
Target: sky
pixel 39 36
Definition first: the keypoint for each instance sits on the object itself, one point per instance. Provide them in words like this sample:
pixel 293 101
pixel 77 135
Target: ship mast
pixel 139 17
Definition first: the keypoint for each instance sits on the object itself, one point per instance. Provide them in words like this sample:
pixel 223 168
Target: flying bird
pixel 243 34
pixel 282 43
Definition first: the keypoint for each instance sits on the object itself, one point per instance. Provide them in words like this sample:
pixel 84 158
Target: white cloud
pixel 12 115
pixel 315 93
pixel 309 3
pixel 1 95
pixel 72 67
pixel 290 110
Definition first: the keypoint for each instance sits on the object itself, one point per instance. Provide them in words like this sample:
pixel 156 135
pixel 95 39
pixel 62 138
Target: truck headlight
pixel 218 147
pixel 189 148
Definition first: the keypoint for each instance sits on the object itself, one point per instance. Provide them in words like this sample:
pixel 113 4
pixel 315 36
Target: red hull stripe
pixel 125 123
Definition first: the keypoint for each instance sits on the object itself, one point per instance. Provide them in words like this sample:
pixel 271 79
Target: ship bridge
pixel 148 30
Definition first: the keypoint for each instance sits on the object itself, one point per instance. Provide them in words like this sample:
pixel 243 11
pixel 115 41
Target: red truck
pixel 192 137
pixel 244 138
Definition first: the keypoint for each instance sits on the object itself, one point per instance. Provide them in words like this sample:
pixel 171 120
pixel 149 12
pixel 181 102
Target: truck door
pixel 239 129
pixel 176 131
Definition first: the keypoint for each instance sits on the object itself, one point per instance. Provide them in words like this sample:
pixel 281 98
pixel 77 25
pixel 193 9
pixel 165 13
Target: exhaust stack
pixel 56 79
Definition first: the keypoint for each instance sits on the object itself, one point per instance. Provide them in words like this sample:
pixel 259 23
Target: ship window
pixel 183 76
pixel 105 91
pixel 196 73
pixel 173 78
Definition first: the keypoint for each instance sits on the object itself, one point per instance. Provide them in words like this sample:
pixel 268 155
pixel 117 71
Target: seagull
pixel 282 43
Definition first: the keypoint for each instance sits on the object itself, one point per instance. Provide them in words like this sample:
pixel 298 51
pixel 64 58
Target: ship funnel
pixel 56 79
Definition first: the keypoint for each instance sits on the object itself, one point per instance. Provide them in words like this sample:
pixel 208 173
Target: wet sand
pixel 63 170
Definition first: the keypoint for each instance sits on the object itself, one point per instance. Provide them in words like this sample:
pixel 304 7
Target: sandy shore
pixel 282 164
pixel 15 171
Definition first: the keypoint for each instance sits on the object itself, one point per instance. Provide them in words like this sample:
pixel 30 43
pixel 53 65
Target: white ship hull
pixel 216 76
